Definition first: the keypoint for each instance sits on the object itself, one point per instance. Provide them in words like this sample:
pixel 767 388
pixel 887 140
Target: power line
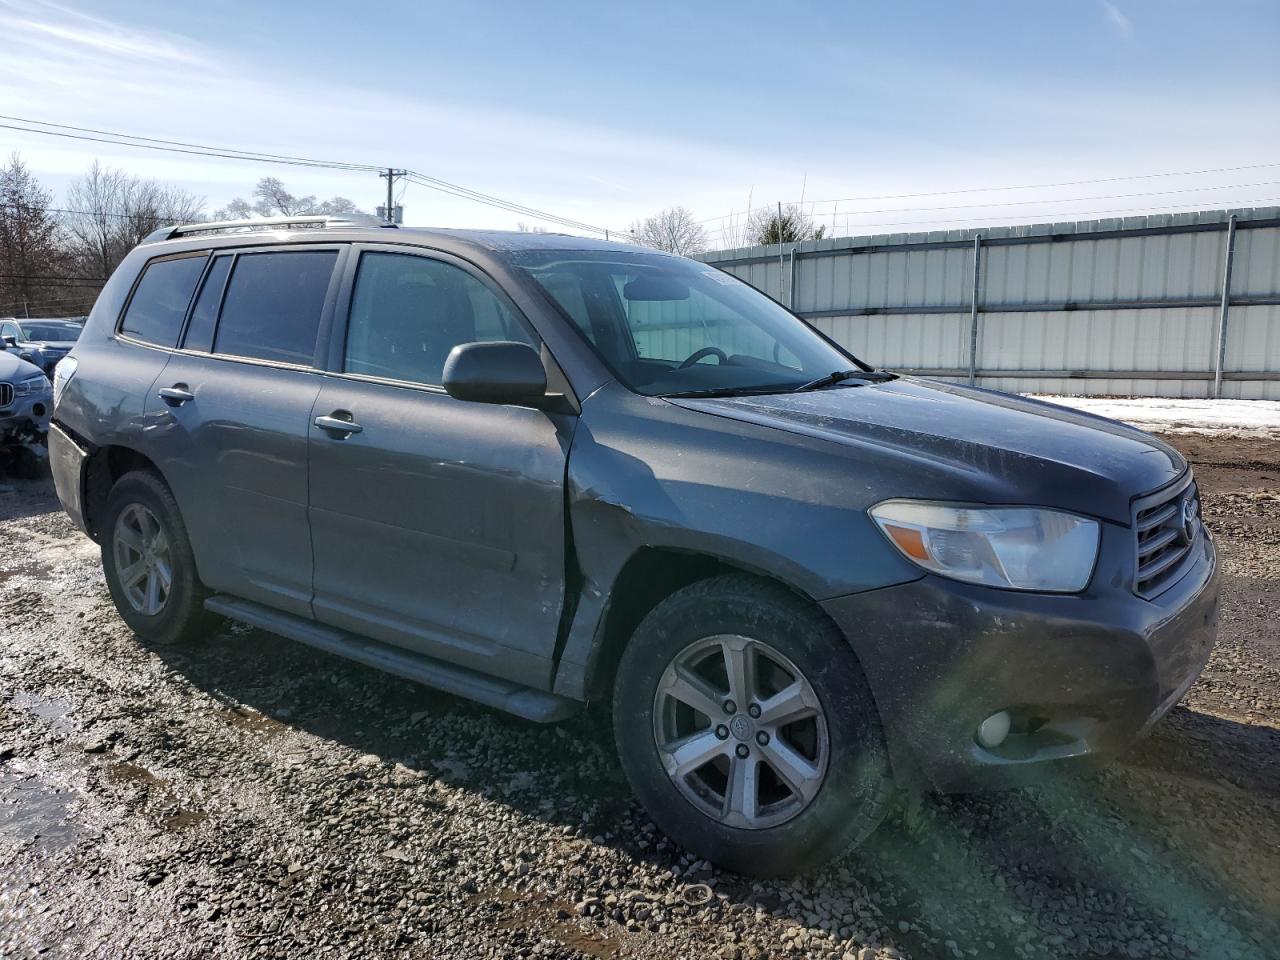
pixel 46 278
pixel 50 301
pixel 62 304
pixel 1023 203
pixel 1045 186
pixel 178 146
pixel 466 194
pixel 148 217
pixel 1047 217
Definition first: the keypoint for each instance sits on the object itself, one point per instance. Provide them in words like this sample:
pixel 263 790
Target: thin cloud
pixel 69 32
pixel 1115 16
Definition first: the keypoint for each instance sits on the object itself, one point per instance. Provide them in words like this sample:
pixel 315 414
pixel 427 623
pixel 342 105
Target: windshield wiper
pixel 871 376
pixel 723 392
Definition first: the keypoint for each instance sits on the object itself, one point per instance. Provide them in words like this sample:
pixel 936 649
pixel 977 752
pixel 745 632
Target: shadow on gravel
pixel 20 499
pixel 1146 857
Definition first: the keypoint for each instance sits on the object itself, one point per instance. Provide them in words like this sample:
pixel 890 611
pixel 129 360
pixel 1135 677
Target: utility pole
pixel 388 213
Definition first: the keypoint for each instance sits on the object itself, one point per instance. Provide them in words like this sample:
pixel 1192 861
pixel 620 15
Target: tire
pixel 844 783
pixel 178 614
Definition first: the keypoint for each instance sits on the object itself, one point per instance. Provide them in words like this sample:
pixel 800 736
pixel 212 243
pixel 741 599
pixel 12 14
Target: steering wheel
pixel 720 355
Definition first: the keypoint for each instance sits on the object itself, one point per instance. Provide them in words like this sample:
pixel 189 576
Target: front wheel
pixel 747 729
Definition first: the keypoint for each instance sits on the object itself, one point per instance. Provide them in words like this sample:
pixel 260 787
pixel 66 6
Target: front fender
pixel 645 473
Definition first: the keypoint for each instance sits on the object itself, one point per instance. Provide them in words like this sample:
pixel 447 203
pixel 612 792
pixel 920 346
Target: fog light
pixel 993 730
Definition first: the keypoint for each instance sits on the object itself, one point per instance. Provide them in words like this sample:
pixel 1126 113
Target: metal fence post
pixel 1224 307
pixel 973 312
pixel 791 290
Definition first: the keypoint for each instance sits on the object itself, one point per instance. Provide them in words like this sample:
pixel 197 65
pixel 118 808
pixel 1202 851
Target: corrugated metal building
pixel 1125 307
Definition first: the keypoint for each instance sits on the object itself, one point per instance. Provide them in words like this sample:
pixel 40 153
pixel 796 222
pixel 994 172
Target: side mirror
pixel 10 341
pixel 501 371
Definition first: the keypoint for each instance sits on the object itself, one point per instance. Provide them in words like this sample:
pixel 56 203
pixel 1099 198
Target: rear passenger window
pixel 408 312
pixel 159 303
pixel 200 329
pixel 272 307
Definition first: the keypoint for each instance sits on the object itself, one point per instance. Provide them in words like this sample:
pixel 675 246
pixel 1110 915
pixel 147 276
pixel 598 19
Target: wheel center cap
pixel 741 726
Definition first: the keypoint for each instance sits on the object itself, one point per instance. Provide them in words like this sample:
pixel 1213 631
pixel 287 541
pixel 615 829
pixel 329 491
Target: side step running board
pixel 524 702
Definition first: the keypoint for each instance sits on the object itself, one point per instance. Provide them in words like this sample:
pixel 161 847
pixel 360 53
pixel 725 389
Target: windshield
pixel 61 332
pixel 666 325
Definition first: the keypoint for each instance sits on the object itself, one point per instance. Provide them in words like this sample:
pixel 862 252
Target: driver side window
pixel 408 313
pixel 675 330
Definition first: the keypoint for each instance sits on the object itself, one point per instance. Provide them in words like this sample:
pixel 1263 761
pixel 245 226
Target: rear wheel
pixel 147 559
pixel 746 728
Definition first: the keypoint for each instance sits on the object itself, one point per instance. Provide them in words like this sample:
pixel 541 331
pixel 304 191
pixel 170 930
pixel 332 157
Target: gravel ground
pixel 249 797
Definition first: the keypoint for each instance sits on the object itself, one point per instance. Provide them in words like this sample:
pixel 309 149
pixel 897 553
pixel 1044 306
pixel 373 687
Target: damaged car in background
pixel 26 401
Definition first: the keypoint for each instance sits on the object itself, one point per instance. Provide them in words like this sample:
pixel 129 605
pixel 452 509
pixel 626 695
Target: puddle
pixel 254 722
pixel 121 772
pixel 182 819
pixel 30 810
pixel 54 710
pixel 171 816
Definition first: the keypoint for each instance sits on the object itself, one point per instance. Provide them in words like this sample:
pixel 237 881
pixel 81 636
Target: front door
pixel 436 524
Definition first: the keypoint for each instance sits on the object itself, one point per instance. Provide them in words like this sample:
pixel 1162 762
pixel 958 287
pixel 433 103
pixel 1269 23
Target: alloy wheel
pixel 740 731
pixel 143 561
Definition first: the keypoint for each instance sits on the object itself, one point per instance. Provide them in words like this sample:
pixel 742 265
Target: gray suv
pixel 538 471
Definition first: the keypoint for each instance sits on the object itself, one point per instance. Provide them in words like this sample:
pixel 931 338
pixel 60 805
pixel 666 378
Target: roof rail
pixel 264 223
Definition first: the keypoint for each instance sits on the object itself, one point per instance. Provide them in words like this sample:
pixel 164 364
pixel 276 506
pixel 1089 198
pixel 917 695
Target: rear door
pixel 235 406
pixel 437 524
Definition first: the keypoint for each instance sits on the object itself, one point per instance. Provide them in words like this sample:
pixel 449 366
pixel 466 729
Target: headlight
pixel 1016 547
pixel 62 374
pixel 32 385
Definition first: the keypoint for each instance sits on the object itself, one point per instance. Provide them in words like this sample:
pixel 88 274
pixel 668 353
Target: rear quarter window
pixel 160 300
pixel 271 310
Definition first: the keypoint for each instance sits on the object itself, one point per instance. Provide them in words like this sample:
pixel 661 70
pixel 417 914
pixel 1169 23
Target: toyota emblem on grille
pixel 1189 519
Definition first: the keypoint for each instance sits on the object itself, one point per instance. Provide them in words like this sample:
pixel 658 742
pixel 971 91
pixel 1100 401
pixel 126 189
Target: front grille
pixel 6 394
pixel 1167 525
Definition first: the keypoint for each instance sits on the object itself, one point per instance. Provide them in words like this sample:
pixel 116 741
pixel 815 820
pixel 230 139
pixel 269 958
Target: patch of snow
pixel 1245 418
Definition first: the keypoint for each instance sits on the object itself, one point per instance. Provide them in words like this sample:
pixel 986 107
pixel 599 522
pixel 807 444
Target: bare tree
pixel 272 199
pixel 30 249
pixel 150 205
pixel 95 202
pixel 523 227
pixel 111 212
pixel 767 225
pixel 673 230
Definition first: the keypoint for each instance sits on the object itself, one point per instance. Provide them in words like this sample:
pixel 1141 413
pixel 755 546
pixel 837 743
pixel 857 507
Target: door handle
pixel 338 426
pixel 176 395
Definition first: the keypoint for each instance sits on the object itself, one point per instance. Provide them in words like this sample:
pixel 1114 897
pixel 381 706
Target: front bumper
pixel 1083 675
pixel 25 417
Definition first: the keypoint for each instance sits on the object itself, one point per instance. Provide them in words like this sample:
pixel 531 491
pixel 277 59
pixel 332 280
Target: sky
pixel 882 117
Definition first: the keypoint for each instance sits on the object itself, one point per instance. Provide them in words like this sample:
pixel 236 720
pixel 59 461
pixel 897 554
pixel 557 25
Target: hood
pixel 993 447
pixel 13 368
